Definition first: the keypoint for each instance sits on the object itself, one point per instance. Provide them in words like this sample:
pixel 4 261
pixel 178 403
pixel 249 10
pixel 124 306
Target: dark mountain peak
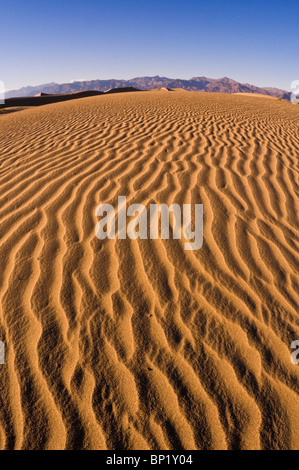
pixel 203 84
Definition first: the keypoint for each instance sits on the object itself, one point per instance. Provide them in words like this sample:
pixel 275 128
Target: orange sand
pixel 122 344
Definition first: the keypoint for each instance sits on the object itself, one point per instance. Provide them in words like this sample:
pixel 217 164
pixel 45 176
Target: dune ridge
pixel 138 344
pixel 44 98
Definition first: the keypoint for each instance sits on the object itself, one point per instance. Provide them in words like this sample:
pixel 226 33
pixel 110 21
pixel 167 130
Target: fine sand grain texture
pixel 139 344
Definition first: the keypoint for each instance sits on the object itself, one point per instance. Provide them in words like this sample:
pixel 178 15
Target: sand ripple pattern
pixel 140 344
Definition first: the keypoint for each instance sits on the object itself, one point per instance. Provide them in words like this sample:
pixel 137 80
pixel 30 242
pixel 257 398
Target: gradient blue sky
pixel 62 40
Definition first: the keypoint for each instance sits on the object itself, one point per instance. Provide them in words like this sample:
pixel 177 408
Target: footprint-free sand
pixel 140 344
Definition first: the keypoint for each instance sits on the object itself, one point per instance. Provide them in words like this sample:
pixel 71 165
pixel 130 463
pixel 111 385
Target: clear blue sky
pixel 64 40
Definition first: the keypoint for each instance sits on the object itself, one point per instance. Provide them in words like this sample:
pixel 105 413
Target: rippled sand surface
pixel 139 344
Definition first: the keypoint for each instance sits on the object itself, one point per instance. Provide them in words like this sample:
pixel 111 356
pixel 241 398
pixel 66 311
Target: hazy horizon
pixel 130 78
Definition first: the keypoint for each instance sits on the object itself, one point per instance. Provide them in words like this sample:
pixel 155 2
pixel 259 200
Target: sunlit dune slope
pixel 140 344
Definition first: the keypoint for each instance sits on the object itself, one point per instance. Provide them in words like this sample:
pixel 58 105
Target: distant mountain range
pixel 203 84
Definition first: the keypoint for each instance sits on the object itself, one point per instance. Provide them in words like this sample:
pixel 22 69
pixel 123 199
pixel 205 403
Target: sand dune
pixel 138 344
pixel 256 95
pixel 43 98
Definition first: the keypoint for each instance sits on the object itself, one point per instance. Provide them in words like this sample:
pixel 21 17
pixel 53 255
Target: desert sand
pixel 139 344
